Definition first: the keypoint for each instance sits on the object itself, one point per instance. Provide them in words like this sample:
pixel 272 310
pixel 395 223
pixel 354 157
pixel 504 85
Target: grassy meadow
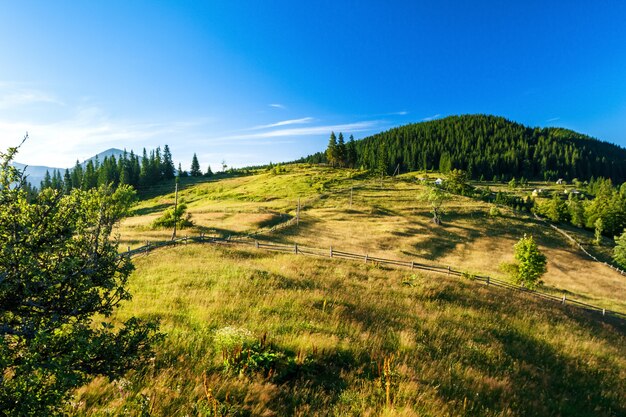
pixel 388 220
pixel 253 333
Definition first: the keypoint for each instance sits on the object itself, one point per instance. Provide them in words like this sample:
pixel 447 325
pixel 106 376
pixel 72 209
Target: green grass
pixel 455 347
pixel 332 337
pixel 389 221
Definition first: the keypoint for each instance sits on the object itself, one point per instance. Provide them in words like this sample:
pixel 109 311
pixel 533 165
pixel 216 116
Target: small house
pixel 561 181
pixel 438 181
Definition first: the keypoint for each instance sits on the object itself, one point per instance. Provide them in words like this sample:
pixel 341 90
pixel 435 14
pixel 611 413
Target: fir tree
pixel 351 155
pixel 331 150
pixel 168 164
pixel 195 167
pixel 341 153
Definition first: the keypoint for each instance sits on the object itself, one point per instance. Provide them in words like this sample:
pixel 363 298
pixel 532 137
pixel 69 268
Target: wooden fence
pixel 334 253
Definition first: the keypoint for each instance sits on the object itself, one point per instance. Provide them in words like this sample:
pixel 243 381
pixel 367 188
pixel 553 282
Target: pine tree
pixel 195 167
pixel 531 262
pixel 341 152
pixel 331 150
pixel 351 155
pixel 47 181
pixel 168 164
pixel 67 182
pixel 208 173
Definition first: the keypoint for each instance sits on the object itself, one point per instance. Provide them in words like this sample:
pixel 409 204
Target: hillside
pixel 255 333
pixel 389 221
pixel 488 146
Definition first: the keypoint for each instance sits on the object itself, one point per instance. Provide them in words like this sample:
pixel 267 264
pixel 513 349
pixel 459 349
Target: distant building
pixel 438 181
pixel 537 192
pixel 561 181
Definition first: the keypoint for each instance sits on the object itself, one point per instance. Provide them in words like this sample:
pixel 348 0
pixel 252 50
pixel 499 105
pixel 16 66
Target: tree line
pixel 485 146
pixel 128 168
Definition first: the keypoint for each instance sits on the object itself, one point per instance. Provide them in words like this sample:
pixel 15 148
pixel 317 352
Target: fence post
pixel 448 270
pixel 603 311
pixel 128 250
pixel 412 265
pixel 295 248
pixel 487 280
pixel 563 300
pixel 331 251
pixel 256 244
pixel 366 258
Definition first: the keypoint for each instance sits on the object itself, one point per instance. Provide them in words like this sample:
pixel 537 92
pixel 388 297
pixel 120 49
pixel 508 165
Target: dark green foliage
pixel 128 169
pixel 555 209
pixel 351 155
pixel 195 167
pixel 167 166
pixel 58 269
pixel 494 147
pixel 341 153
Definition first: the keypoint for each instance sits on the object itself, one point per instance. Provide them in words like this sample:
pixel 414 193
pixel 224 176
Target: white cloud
pixel 285 123
pixel 85 132
pixel 554 119
pixel 433 117
pixel 26 97
pixel 278 106
pixel 307 131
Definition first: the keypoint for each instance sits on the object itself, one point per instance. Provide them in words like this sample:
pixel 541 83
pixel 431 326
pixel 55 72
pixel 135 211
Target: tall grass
pixel 256 333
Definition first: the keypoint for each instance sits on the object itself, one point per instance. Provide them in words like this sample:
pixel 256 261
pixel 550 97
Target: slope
pixel 488 146
pixel 389 221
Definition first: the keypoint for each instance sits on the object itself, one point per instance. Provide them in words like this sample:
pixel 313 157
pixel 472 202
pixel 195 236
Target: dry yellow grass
pixel 389 221
pixel 456 347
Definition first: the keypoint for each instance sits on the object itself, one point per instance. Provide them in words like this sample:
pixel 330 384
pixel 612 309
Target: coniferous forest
pixel 488 146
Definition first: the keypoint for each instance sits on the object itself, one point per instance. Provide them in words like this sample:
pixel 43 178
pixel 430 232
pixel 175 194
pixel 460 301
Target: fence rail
pixel 332 253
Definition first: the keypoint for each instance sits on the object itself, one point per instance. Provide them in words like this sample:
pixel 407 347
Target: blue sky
pixel 250 82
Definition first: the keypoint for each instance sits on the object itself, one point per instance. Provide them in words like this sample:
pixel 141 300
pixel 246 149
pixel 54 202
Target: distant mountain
pixel 36 174
pixel 106 154
pixel 489 146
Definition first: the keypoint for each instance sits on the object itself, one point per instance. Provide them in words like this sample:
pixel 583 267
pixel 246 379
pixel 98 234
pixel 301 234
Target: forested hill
pixel 491 146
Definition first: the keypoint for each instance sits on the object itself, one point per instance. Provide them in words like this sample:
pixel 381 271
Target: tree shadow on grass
pixel 152 209
pixel 514 372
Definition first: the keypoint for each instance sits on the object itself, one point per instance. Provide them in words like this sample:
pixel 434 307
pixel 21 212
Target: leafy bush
pixel 171 216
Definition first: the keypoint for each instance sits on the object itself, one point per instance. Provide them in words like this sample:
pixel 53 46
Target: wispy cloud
pixel 554 119
pixel 285 123
pixel 433 117
pixel 84 132
pixel 26 97
pixel 306 131
pixel 277 106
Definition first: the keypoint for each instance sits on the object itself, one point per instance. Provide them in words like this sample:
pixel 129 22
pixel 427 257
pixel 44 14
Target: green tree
pixel 436 197
pixel 168 164
pixel 458 182
pixel 531 262
pixel 58 273
pixel 351 155
pixel 331 150
pixel 445 162
pixel 171 216
pixel 341 153
pixel 195 167
pixel 619 251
